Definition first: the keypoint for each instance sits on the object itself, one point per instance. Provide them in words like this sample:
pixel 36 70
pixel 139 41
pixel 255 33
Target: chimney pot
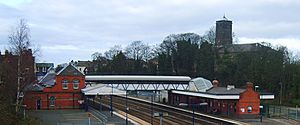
pixel 215 83
pixel 249 85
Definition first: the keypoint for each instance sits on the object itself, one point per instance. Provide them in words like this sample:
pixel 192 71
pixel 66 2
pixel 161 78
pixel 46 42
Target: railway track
pixel 144 110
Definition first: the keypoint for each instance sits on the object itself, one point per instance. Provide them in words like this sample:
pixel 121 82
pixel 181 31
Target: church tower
pixel 223 32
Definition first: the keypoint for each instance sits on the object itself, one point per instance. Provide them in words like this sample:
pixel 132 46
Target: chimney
pixel 6 52
pixel 215 83
pixel 249 86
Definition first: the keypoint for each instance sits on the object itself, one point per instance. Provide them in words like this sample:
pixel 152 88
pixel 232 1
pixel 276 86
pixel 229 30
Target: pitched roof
pixel 49 78
pixel 238 48
pixel 225 91
pixel 34 87
pixel 44 64
pixel 101 89
pixel 69 70
pixel 83 63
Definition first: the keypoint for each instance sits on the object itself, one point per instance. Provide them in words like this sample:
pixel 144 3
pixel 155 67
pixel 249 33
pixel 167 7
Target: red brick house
pixel 228 100
pixel 60 88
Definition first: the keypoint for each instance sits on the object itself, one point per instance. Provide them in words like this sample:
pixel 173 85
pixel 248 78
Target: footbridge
pixel 139 82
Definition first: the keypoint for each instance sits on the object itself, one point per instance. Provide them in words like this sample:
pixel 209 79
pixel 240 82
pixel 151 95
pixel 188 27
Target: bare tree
pixel 137 50
pixel 113 51
pixel 210 35
pixel 20 42
pixel 19 39
pixel 96 56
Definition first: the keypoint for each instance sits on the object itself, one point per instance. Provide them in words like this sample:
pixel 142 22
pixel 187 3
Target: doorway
pixel 38 104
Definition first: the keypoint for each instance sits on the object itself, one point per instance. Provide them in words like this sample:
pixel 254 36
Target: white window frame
pixel 64 84
pixel 76 83
pixel 52 101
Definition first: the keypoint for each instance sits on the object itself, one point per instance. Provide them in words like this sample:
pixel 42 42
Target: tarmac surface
pixel 80 117
pixel 270 121
pixel 64 117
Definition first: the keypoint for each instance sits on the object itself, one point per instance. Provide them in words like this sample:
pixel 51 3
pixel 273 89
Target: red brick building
pixel 9 70
pixel 222 100
pixel 60 88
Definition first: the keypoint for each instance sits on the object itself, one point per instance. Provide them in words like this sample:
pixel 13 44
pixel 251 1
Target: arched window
pixel 249 109
pixel 52 101
pixel 76 83
pixel 64 84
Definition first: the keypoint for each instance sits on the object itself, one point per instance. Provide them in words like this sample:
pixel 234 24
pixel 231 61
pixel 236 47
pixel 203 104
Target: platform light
pixel 255 87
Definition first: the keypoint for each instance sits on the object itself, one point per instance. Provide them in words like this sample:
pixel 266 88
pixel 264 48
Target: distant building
pixel 223 32
pixel 84 66
pixel 58 89
pixel 223 43
pixel 41 69
pixel 9 68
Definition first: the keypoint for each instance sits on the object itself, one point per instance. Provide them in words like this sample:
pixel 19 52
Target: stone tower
pixel 223 32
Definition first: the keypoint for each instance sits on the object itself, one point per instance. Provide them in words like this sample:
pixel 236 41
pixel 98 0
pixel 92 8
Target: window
pixel 249 109
pixel 52 101
pixel 44 69
pixel 75 83
pixel 65 84
pixel 40 69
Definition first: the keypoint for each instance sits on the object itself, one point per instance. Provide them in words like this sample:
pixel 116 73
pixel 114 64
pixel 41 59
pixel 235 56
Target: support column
pixel 86 103
pixel 100 108
pixel 111 96
pixel 227 107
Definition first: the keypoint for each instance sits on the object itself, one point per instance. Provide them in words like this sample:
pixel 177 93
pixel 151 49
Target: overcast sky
pixel 74 29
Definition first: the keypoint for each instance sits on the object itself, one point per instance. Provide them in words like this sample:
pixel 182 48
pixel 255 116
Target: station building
pixel 60 88
pixel 211 98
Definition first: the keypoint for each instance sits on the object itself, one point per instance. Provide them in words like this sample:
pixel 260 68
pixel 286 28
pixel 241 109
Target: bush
pixel 296 102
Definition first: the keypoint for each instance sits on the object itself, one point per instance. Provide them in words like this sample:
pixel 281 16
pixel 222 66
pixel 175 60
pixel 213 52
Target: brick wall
pixel 249 102
pixel 62 98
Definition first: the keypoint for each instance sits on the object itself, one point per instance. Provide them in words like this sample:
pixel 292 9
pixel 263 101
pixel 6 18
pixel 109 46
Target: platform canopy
pixel 222 94
pixel 141 82
pixel 101 89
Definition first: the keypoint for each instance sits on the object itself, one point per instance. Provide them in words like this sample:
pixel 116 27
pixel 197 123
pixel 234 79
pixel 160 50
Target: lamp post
pixel 193 105
pixel 100 105
pixel 280 83
pixel 24 113
pixel 89 118
pixel 261 107
pixel 126 107
pixel 151 109
pixel 261 115
pixel 111 107
pixel 255 88
pixel 160 115
pixel 152 102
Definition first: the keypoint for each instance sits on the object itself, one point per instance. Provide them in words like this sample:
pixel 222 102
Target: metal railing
pixel 283 111
pixel 103 118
